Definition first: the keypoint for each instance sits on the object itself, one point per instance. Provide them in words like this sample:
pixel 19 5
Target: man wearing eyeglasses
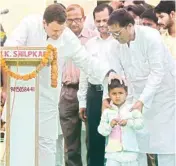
pixel 150 68
pixel 68 105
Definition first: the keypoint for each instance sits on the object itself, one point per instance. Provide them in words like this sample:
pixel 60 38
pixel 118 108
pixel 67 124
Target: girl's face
pixel 118 96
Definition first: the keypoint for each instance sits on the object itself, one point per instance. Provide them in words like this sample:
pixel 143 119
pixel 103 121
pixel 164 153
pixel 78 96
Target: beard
pixel 167 25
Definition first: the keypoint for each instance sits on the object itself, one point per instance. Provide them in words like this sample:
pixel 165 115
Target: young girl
pixel 118 124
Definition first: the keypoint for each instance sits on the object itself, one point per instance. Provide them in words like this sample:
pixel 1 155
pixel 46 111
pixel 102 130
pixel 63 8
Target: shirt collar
pixel 98 37
pixel 114 107
pixel 166 33
pixel 84 33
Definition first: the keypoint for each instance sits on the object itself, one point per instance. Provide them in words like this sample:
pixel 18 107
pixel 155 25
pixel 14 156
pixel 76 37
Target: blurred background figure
pixel 116 4
pixel 149 18
pixel 131 2
pixel 166 16
pixel 142 3
pixel 135 11
pixel 89 21
pixel 167 20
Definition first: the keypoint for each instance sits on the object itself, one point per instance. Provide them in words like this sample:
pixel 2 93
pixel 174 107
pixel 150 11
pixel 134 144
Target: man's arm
pixel 19 34
pixel 82 93
pixel 71 48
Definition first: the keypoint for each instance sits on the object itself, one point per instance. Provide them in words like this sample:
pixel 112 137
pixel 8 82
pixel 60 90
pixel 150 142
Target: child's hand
pixel 113 123
pixel 122 122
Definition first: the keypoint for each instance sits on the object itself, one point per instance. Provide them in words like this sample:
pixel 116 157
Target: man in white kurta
pixel 32 32
pixel 150 68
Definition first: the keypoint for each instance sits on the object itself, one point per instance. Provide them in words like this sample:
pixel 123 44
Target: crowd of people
pixel 116 91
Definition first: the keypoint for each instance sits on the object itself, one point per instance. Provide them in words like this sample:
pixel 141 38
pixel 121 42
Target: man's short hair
pixel 121 17
pixel 116 84
pixel 151 15
pixel 165 7
pixel 139 2
pixel 73 7
pixel 101 8
pixel 61 5
pixel 55 12
pixel 136 9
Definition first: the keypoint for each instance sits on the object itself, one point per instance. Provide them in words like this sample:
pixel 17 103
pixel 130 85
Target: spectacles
pixel 76 20
pixel 117 34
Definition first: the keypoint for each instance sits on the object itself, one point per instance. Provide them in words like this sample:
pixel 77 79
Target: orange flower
pixel 53 77
pixel 44 61
pixel 49 47
pixel 26 77
pixel 18 77
pixel 5 68
pixel 32 75
pixel 54 68
pixel 2 61
pixel 47 56
pixel 51 53
pixel 13 74
pixel 55 50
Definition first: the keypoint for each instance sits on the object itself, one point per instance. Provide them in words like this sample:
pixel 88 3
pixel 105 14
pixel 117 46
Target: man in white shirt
pixel 150 68
pixel 89 22
pixel 90 93
pixel 37 31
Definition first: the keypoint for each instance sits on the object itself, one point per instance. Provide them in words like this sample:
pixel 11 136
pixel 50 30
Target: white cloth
pixel 106 51
pixel 142 159
pixel 166 160
pixel 151 70
pixel 110 162
pixel 47 151
pixel 60 148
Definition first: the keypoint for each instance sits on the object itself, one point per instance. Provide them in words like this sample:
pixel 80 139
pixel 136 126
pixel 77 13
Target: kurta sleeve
pixel 83 83
pixel 156 54
pixel 71 48
pixel 82 92
pixel 104 127
pixel 19 35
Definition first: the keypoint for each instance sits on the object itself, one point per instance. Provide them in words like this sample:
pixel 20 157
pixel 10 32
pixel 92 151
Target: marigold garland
pixel 50 55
